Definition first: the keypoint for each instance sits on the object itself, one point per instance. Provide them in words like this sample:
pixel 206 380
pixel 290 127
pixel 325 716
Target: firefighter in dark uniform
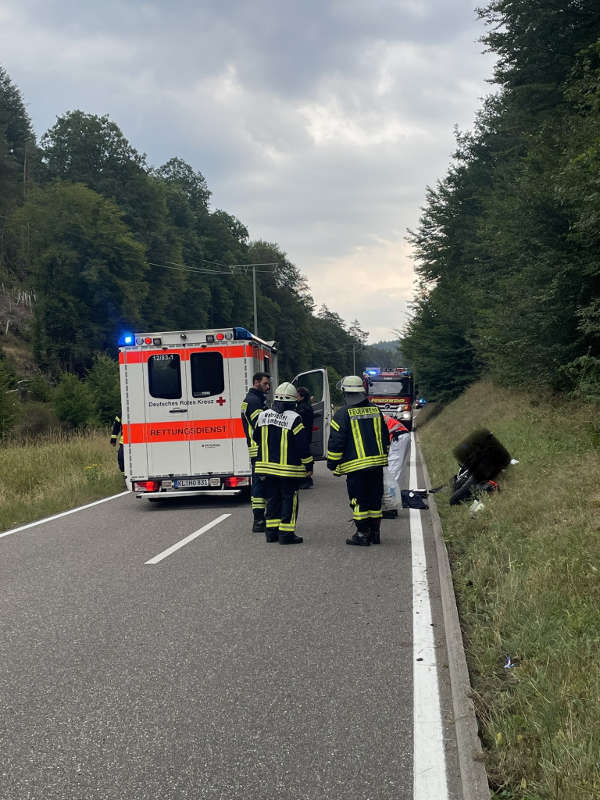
pixel 255 402
pixel 358 445
pixel 117 432
pixel 284 460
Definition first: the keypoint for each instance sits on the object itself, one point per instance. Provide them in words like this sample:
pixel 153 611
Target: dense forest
pixel 508 242
pixel 94 241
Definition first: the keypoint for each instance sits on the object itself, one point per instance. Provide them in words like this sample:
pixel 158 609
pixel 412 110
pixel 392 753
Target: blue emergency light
pixel 241 333
pixel 372 370
pixel 126 338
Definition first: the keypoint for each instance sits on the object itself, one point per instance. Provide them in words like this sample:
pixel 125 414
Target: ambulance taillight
pixel 233 482
pixel 146 486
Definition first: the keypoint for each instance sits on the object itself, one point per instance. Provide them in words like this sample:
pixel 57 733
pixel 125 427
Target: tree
pixel 86 148
pixel 73 402
pixel 9 406
pixel 178 174
pixel 17 145
pixel 103 382
pixel 87 270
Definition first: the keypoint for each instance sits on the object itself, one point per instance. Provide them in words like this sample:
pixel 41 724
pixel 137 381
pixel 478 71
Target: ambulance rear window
pixel 164 375
pixel 207 374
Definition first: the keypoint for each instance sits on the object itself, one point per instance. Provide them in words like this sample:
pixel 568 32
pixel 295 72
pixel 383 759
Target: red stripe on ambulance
pixel 193 430
pixel 142 356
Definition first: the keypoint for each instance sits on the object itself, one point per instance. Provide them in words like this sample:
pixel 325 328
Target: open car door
pixel 317 383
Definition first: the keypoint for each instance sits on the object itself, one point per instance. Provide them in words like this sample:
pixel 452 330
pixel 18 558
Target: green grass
pixel 527 578
pixel 53 474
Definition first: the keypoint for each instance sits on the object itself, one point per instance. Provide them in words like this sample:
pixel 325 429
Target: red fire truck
pixel 392 390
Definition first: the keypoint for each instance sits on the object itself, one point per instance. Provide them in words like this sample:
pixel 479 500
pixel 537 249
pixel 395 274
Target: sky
pixel 319 124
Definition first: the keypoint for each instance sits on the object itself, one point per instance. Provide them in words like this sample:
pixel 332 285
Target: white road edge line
pixel 63 514
pixel 429 762
pixel 190 538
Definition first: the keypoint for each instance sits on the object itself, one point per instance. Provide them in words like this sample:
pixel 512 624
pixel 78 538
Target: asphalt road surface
pixel 229 668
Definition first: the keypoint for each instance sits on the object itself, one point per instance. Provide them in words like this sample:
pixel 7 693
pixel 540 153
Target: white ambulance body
pixel 181 395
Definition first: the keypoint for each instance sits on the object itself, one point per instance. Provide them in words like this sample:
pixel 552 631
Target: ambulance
pixel 392 390
pixel 181 396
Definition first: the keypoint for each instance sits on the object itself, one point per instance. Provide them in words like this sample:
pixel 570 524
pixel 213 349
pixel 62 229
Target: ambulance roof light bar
pixel 241 333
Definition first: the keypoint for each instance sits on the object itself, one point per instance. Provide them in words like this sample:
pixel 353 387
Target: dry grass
pixel 53 474
pixel 527 579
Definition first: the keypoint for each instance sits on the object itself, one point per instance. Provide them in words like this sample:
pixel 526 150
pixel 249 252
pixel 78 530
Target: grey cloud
pixel 317 124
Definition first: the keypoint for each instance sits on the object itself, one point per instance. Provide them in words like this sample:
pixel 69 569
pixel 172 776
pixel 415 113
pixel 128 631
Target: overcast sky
pixel 318 124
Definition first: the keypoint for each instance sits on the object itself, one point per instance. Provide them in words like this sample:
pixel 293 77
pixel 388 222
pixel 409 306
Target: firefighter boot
pixel 290 538
pixel 374 529
pixel 361 537
pixel 272 535
pixel 260 523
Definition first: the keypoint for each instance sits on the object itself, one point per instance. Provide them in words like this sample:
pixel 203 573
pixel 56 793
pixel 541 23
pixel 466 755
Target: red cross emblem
pixel 221 401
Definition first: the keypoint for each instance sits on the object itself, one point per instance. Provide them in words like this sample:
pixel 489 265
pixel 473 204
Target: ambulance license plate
pixel 190 483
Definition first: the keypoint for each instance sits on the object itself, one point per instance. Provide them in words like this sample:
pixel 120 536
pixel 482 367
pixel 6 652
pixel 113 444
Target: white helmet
pixel 352 383
pixel 286 392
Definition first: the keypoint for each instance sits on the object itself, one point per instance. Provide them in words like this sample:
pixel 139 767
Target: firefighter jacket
pixel 359 439
pixel 254 402
pixel 283 449
pixel 117 430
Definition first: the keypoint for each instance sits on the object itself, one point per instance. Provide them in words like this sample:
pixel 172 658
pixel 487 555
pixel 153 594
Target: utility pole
pixel 254 295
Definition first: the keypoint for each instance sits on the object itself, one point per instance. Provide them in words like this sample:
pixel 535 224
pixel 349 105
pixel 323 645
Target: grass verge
pixel 46 476
pixel 527 579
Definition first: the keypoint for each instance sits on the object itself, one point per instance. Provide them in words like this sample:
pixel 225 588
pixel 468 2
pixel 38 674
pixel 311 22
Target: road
pixel 229 668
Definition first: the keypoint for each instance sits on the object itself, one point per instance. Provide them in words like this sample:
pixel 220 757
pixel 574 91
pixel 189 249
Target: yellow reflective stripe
pixel 290 527
pixel 255 413
pixel 283 447
pixel 264 440
pixel 273 523
pixel 362 463
pixel 244 405
pixel 358 444
pixel 333 456
pixel 335 425
pixel 279 471
pixel 306 460
pixel 298 428
pixel 377 429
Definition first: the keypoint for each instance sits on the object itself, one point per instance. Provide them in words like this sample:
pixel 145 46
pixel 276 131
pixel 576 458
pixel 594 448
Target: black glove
pixel 331 465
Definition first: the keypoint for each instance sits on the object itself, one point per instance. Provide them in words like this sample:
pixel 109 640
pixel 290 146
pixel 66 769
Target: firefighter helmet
pixel 285 392
pixel 352 383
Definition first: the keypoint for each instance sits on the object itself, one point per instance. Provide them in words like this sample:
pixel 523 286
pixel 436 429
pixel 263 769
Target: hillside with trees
pixel 94 241
pixel 507 244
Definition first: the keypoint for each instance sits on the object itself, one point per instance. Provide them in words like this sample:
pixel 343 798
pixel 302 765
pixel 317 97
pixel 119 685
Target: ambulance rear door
pixel 213 422
pixel 317 383
pixel 166 432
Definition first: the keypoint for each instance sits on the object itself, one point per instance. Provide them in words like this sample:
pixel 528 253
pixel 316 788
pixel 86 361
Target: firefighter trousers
pixel 282 503
pixel 257 494
pixel 365 491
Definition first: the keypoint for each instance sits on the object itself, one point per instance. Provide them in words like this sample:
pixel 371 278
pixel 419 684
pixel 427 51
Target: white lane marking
pixel 190 538
pixel 63 514
pixel 429 763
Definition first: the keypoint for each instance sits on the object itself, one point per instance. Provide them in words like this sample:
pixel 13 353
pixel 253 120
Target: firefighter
pixel 358 446
pixel 284 460
pixel 255 402
pixel 117 431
